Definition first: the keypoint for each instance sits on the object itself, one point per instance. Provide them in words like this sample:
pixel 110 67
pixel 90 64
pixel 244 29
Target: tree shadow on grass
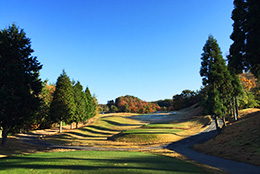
pixel 136 163
pixel 88 129
pixel 102 128
pixel 120 124
pixel 85 136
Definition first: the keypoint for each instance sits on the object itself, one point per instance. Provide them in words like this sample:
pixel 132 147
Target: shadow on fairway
pixel 134 164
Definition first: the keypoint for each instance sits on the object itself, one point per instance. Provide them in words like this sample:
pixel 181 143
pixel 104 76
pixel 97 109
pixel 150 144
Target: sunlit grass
pixel 152 131
pixel 163 125
pixel 97 133
pixel 120 130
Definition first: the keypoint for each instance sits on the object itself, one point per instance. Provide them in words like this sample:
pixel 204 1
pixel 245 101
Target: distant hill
pixel 132 104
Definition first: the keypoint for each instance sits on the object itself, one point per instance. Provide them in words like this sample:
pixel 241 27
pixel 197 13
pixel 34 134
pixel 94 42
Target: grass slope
pixel 238 141
pixel 133 130
pixel 97 133
pixel 162 133
pixel 96 162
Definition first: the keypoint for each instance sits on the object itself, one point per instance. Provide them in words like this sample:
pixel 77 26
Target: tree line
pixel 222 86
pixel 25 101
pixel 131 104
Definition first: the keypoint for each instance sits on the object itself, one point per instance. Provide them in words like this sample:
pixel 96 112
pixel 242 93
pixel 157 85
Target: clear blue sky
pixel 147 48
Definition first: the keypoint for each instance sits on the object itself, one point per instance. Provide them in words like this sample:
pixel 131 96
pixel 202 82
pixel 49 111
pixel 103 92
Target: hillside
pixel 132 104
pixel 238 141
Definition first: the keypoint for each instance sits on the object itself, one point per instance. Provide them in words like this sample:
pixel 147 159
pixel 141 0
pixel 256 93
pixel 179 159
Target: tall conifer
pixel 63 104
pixel 245 50
pixel 237 58
pixel 20 85
pixel 80 112
pixel 213 71
pixel 90 106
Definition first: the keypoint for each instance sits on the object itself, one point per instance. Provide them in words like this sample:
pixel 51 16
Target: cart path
pixel 184 147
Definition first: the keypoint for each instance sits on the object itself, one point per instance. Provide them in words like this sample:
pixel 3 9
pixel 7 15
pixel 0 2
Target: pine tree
pixel 253 36
pixel 245 50
pixel 236 92
pixel 90 104
pixel 237 58
pixel 226 90
pixel 80 112
pixel 20 85
pixel 213 71
pixel 63 104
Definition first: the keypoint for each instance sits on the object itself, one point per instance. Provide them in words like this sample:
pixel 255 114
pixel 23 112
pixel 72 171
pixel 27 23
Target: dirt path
pixel 184 147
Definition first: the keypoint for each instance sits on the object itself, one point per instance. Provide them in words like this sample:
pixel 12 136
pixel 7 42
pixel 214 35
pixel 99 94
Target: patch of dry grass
pixel 238 141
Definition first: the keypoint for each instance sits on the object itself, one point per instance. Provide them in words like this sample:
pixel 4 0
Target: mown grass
pixel 163 125
pixel 128 130
pixel 96 162
pixel 162 133
pixel 152 131
pixel 97 133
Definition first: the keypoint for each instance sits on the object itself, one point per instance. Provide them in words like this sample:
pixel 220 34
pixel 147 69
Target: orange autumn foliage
pixel 135 105
pixel 247 83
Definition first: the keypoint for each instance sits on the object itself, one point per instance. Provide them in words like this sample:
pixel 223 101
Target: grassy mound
pixel 96 162
pixel 238 141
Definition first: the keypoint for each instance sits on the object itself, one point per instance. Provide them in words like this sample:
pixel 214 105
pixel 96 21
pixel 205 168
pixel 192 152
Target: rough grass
pixel 96 162
pixel 238 141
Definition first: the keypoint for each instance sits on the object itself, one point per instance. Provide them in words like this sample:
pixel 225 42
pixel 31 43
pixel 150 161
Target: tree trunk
pixel 77 124
pixel 224 120
pixel 60 126
pixel 4 135
pixel 234 112
pixel 71 126
pixel 230 109
pixel 236 107
pixel 216 123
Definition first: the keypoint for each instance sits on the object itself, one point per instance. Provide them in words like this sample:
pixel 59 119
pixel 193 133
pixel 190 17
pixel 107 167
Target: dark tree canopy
pixel 185 99
pixel 245 50
pixel 237 59
pixel 253 36
pixel 20 85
